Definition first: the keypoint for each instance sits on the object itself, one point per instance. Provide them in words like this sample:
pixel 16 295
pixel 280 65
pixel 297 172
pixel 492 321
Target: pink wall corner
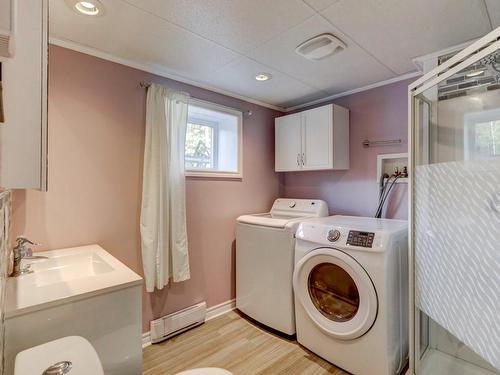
pixel 96 141
pixel 377 114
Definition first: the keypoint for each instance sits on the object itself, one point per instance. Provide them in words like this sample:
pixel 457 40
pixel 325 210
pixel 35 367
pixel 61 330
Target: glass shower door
pixel 455 214
pixel 5 220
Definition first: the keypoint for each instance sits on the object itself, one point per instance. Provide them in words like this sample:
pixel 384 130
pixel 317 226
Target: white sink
pixel 67 274
pixel 81 291
pixel 66 267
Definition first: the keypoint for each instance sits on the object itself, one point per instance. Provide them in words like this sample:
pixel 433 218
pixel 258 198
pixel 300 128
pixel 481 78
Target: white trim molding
pixel 220 309
pixel 162 72
pixel 355 91
pixel 154 69
pixel 146 339
pixel 212 313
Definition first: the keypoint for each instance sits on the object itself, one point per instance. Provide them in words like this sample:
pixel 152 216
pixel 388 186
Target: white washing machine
pixel 351 292
pixel 265 247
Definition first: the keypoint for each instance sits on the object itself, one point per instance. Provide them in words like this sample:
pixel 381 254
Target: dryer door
pixel 336 292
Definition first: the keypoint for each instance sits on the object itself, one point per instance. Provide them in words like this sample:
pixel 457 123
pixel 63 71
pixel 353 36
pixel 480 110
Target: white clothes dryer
pixel 351 292
pixel 265 248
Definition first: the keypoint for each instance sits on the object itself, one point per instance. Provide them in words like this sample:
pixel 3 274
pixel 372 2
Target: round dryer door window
pixel 333 292
pixel 336 293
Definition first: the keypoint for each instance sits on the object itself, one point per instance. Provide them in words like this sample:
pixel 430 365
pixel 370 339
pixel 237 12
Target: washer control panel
pixel 363 239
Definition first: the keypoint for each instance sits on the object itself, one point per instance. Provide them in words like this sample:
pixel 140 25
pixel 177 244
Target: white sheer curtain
pixel 163 213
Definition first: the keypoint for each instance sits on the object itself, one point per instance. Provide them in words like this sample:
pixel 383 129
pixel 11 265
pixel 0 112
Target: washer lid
pixel 286 210
pixel 268 220
pixel 74 349
pixel 336 293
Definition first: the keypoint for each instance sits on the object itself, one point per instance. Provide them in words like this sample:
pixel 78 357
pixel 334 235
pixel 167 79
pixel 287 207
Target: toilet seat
pixel 75 349
pixel 206 371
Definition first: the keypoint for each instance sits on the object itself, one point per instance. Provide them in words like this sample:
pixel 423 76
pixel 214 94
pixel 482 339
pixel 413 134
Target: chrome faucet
pixel 22 252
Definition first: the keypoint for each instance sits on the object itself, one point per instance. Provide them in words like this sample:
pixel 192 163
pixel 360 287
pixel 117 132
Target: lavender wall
pixel 96 141
pixel 376 114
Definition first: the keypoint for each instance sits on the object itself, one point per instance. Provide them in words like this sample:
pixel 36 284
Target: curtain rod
pixel 244 111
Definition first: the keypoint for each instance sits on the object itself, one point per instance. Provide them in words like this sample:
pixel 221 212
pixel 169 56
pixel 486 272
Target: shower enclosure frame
pixel 468 56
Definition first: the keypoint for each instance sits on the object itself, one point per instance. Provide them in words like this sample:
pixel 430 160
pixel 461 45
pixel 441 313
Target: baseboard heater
pixel 178 322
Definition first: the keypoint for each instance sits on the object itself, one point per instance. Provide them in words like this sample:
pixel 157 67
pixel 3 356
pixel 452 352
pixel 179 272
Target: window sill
pixel 214 175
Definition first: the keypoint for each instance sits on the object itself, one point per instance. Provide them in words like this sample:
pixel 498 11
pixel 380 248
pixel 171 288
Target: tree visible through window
pixel 213 140
pixel 199 146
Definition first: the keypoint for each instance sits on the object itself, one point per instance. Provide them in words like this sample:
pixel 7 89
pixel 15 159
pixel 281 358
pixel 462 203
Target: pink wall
pixel 376 114
pixel 96 140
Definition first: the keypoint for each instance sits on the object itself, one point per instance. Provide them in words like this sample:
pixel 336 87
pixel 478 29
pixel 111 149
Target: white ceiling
pixel 224 43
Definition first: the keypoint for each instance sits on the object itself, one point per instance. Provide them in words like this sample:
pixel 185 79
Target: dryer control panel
pixel 363 239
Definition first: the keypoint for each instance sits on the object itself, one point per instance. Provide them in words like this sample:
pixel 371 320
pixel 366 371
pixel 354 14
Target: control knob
pixel 333 235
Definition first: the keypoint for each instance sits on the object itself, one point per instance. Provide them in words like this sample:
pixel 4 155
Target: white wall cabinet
pixel 288 141
pixel 315 139
pixel 23 134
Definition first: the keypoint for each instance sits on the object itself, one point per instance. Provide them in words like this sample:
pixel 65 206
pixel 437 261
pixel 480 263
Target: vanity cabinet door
pixel 23 134
pixel 288 143
pixel 5 12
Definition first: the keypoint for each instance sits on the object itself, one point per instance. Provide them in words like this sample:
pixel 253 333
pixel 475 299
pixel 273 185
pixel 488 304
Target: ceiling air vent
pixel 320 46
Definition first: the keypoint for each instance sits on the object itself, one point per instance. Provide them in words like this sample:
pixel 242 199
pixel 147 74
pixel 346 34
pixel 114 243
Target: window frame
pixel 212 173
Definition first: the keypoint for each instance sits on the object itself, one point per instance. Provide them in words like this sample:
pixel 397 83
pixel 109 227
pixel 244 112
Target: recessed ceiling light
pixel 263 76
pixel 474 74
pixel 89 8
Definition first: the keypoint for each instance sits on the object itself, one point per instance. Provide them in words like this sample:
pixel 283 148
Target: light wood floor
pixel 235 344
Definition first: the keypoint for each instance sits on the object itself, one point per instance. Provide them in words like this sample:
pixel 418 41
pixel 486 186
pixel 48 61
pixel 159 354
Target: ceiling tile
pixel 395 31
pixel 281 90
pixel 346 70
pixel 320 4
pixel 129 33
pixel 239 25
pixel 494 11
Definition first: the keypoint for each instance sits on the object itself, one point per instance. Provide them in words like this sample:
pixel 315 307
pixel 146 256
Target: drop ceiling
pixel 223 44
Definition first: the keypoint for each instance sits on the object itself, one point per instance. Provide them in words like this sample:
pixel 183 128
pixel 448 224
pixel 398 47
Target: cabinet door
pixel 317 138
pixel 23 135
pixel 288 143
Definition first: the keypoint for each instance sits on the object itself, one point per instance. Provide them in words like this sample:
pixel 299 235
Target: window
pixel 482 135
pixel 213 141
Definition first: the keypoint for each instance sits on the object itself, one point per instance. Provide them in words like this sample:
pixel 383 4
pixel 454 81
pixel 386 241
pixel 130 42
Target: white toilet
pixel 72 355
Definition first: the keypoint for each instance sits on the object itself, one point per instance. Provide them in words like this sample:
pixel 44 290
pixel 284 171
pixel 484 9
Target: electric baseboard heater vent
pixel 178 322
pixel 6 44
